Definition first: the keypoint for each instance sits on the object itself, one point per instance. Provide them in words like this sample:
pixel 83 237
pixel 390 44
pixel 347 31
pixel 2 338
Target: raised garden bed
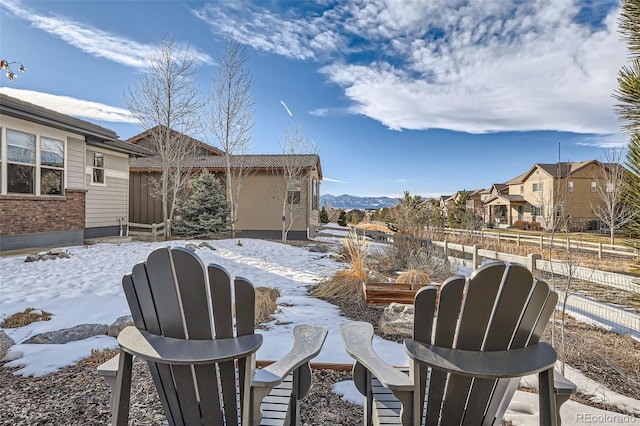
pixel 389 292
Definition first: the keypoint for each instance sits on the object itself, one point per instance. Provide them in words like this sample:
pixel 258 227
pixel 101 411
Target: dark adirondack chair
pixel 472 342
pixel 201 354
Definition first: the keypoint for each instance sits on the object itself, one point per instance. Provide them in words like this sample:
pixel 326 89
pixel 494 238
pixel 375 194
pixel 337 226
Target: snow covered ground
pixel 86 289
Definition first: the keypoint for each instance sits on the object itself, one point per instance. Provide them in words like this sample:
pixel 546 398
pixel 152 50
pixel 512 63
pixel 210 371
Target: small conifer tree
pixel 342 219
pixel 324 216
pixel 206 211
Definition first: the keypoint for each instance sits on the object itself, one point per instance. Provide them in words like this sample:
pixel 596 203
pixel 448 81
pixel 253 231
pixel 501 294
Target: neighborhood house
pixel 62 179
pixel 547 190
pixel 261 197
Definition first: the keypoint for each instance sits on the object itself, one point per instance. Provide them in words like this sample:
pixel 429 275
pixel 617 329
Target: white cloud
pixel 72 106
pixel 333 180
pixel 92 40
pixel 267 31
pixel 334 112
pixel 604 141
pixel 478 66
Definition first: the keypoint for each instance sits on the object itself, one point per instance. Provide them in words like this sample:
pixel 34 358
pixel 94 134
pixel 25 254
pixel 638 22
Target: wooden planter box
pixel 388 292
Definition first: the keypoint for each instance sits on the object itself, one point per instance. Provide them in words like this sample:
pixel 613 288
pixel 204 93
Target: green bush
pixel 206 211
pixel 342 219
pixel 324 216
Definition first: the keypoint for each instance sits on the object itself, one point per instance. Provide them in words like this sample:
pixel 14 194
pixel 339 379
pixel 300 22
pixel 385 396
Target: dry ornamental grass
pixel 29 315
pixel 266 303
pixel 415 277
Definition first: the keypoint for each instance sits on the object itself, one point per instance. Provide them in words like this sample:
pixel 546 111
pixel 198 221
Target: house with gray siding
pixel 62 179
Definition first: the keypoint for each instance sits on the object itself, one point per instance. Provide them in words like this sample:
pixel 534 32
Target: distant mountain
pixel 352 202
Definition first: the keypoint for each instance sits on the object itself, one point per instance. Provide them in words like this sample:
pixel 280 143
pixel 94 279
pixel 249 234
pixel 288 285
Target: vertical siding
pixel 143 207
pixel 75 163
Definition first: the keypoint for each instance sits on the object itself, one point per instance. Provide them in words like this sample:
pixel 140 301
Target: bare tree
pixel 230 119
pixel 166 103
pixel 611 208
pixel 294 173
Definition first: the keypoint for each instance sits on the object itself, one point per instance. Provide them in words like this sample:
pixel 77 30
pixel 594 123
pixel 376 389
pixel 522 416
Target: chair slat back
pixel 170 295
pixel 448 310
pixel 499 307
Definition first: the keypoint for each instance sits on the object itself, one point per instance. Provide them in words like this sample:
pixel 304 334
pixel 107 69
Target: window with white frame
pixel 51 166
pixel 21 162
pixel 521 189
pixel 570 186
pixel 537 187
pixel 293 191
pixel 536 210
pixel 609 187
pixel 97 173
pixel 594 186
pixel 315 200
pixel 35 165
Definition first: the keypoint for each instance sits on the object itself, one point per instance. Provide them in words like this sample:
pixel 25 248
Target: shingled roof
pixel 141 139
pixel 95 135
pixel 557 170
pixel 216 163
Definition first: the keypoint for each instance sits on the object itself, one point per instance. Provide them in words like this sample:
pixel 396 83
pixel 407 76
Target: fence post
pixel 531 262
pixel 153 231
pixel 599 249
pixel 518 239
pixel 446 248
pixel 481 236
pixel 541 246
pixel 476 258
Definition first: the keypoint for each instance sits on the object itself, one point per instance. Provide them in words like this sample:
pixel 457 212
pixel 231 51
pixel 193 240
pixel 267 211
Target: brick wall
pixel 29 214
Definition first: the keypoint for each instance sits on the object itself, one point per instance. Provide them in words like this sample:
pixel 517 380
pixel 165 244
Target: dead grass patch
pixel 29 315
pixel 604 356
pixel 374 227
pixel 98 356
pixel 266 303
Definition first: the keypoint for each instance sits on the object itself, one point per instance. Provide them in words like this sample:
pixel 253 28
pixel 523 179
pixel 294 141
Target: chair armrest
pixel 109 368
pixel 488 365
pixel 562 385
pixel 307 342
pixel 168 350
pixel 357 337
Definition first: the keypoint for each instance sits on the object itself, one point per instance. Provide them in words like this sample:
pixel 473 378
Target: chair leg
pixel 362 380
pixel 122 390
pixel 560 399
pixel 547 400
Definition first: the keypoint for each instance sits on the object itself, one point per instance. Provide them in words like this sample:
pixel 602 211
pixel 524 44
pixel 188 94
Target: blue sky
pixel 429 96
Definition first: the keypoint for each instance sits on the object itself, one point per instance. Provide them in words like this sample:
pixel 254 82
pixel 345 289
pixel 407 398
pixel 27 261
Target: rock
pixel 191 246
pixel 79 332
pixel 376 277
pixel 397 319
pixel 207 245
pixel 52 254
pixel 317 249
pixel 119 324
pixel 5 343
